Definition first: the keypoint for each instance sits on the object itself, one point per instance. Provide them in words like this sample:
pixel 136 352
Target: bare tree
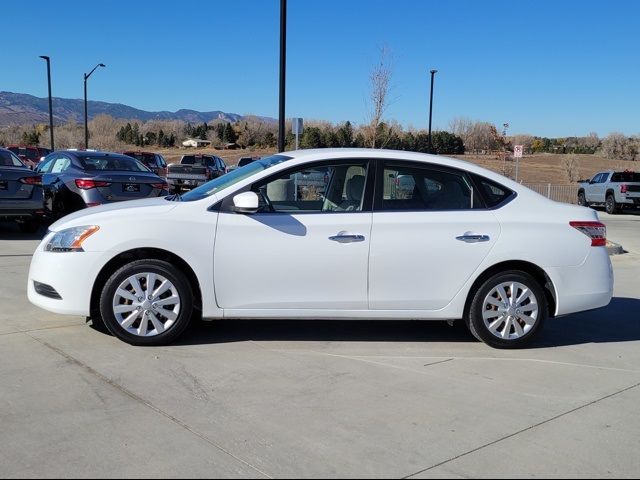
pixel 380 79
pixel 571 168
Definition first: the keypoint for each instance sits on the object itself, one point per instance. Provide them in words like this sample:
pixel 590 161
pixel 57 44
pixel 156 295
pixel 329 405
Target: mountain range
pixel 21 108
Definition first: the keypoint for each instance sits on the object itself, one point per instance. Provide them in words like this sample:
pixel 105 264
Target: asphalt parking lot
pixel 320 399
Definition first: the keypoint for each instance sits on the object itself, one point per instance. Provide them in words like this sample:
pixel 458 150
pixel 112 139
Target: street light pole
pixel 283 63
pixel 48 60
pixel 86 121
pixel 433 73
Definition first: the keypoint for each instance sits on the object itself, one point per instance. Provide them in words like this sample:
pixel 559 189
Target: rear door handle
pixel 344 237
pixel 473 238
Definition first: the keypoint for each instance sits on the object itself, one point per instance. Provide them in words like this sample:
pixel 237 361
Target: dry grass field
pixel 539 168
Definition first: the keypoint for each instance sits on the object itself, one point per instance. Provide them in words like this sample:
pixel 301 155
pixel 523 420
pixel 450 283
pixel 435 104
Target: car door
pixel 52 169
pixel 595 190
pixel 430 232
pixel 307 247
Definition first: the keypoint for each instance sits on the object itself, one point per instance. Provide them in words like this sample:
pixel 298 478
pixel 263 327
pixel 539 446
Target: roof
pixel 374 153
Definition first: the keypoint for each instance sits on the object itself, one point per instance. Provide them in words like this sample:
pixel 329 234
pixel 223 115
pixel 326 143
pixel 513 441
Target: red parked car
pixel 29 154
pixel 153 161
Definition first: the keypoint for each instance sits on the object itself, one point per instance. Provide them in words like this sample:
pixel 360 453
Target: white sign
pixel 517 151
pixel 296 126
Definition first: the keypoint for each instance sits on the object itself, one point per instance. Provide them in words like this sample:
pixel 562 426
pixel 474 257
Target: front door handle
pixel 473 238
pixel 344 237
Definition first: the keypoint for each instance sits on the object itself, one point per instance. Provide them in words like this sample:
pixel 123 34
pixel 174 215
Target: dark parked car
pixel 194 170
pixel 154 161
pixel 21 198
pixel 75 179
pixel 29 155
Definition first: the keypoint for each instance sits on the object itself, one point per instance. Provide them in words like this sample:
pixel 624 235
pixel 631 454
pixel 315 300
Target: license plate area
pixel 130 187
pixel 4 185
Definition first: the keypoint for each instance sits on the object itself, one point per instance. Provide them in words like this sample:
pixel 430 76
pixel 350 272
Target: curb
pixel 614 249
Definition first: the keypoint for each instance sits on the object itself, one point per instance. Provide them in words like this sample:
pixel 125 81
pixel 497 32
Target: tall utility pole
pixel 48 60
pixel 433 73
pixel 86 120
pixel 283 64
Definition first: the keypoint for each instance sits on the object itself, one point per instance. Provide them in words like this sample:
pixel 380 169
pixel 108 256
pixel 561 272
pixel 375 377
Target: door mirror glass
pixel 246 202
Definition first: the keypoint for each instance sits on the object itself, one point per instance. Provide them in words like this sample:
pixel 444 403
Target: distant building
pixel 195 143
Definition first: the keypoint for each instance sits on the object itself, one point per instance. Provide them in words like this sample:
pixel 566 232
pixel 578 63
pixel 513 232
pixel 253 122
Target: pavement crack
pixel 511 435
pixel 144 402
pixel 38 329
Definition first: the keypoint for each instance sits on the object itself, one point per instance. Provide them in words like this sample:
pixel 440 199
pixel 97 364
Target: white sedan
pixel 329 234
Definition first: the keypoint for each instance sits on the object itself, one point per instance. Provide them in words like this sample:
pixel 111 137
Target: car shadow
pixel 618 322
pixel 11 231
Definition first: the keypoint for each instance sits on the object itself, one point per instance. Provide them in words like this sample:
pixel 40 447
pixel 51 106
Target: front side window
pixel 316 189
pixel 425 189
pixel 60 164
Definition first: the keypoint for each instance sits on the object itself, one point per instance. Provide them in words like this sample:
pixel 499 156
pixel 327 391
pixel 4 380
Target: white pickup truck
pixel 612 189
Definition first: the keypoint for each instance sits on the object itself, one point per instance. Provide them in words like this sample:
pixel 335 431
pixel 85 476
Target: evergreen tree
pixel 345 135
pixel 161 138
pixel 229 135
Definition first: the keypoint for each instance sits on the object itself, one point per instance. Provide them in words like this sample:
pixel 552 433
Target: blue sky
pixel 552 68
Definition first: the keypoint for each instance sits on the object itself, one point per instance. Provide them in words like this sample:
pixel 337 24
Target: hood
pixel 93 215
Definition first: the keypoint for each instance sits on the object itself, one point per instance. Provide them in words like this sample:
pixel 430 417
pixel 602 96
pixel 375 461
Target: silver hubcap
pixel 146 304
pixel 510 310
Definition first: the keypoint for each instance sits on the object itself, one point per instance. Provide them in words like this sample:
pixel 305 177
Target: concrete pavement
pixel 318 399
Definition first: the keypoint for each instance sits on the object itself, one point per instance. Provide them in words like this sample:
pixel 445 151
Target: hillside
pixel 20 108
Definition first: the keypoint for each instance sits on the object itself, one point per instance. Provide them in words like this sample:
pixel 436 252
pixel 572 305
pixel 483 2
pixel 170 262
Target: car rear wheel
pixel 611 206
pixel 147 302
pixel 507 310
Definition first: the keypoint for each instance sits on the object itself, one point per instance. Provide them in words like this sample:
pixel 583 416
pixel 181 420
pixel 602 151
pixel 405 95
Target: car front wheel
pixel 147 302
pixel 507 310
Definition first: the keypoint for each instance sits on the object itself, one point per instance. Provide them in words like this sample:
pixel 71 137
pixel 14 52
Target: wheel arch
pixel 532 269
pixel 143 254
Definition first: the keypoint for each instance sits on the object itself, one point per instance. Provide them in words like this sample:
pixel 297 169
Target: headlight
pixel 70 239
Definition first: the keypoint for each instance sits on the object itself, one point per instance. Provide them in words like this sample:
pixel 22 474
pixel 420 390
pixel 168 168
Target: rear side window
pixel 494 194
pixel 425 189
pixel 625 177
pixel 9 160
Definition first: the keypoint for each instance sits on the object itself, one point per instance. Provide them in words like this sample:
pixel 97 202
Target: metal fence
pixel 559 193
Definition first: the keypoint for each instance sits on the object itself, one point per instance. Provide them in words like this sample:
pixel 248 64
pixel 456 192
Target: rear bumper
pixel 22 208
pixel 583 287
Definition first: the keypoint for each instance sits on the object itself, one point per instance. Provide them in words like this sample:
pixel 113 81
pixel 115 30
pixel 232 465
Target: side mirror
pixel 246 202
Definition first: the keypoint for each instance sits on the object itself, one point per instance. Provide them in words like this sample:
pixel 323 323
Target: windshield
pixel 230 179
pixel 112 163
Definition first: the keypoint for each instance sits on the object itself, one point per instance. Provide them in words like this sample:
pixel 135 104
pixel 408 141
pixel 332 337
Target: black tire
pixel 611 207
pixel 59 207
pixel 476 323
pixel 29 226
pixel 167 270
pixel 582 200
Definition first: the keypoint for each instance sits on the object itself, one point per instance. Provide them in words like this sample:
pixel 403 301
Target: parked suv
pixel 154 161
pixel 21 198
pixel 75 179
pixel 194 170
pixel 612 189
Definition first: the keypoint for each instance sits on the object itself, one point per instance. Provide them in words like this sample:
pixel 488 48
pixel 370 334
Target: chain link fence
pixel 559 193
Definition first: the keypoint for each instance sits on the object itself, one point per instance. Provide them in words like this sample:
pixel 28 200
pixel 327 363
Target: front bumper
pixel 583 287
pixel 71 274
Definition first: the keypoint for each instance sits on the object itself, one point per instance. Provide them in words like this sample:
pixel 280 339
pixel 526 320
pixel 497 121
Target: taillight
pixel 623 188
pixel 596 231
pixel 87 184
pixel 31 180
pixel 161 186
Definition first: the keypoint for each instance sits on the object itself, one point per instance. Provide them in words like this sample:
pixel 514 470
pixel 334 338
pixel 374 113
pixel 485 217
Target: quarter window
pixel 316 189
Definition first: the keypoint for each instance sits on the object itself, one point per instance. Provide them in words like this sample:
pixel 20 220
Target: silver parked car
pixel 75 179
